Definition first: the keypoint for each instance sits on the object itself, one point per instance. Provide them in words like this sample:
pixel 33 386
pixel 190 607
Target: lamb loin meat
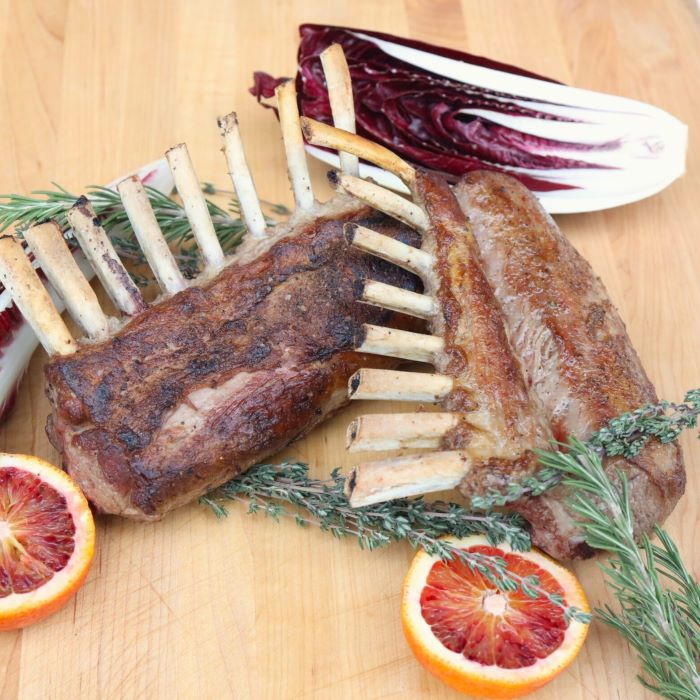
pixel 573 347
pixel 221 375
pixel 527 342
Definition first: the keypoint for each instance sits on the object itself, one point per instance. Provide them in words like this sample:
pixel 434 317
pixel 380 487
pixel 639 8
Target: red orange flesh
pixel 47 539
pixel 483 641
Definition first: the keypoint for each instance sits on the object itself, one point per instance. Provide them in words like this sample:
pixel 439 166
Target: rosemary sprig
pixel 25 210
pixel 267 488
pixel 625 435
pixel 659 600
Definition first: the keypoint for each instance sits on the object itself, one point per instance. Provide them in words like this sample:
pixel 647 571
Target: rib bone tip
pixel 350 482
pixel 306 127
pixel 227 122
pixel 331 49
pixel 125 182
pixel 351 433
pixel 333 178
pixel 354 382
pixel 283 84
pixel 176 147
pixel 349 230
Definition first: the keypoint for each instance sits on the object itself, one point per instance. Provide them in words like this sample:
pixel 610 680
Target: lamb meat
pixel 218 377
pixel 527 342
pixel 573 347
pixel 155 409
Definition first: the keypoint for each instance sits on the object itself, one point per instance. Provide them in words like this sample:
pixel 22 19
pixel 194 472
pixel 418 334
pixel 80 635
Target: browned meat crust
pixel 573 347
pixel 202 385
pixel 489 388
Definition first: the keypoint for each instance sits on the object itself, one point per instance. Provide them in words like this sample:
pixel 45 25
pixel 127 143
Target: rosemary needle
pixel 660 621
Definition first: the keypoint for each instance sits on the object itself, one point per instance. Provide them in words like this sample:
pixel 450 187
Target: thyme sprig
pixel 626 435
pixel 25 210
pixel 268 488
pixel 659 600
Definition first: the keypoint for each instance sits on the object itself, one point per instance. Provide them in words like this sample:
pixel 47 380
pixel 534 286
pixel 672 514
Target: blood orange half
pixel 482 641
pixel 47 539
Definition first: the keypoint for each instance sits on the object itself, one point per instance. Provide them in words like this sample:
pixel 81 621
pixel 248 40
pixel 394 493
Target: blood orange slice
pixel 485 642
pixel 47 539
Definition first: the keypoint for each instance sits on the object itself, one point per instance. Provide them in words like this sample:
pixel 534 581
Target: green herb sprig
pixel 659 600
pixel 23 211
pixel 623 436
pixel 269 488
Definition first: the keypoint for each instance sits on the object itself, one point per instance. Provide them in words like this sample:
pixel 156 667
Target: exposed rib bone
pixel 405 256
pixel 396 343
pixel 401 477
pixel 297 166
pixel 58 264
pixel 339 86
pixel 195 205
pixel 396 431
pixel 149 235
pixel 397 299
pixel 380 198
pixel 29 294
pixel 320 134
pixel 104 260
pixel 390 385
pixel 241 177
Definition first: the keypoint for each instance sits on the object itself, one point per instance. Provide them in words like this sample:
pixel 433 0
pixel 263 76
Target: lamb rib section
pixel 157 407
pixel 527 343
pixel 219 376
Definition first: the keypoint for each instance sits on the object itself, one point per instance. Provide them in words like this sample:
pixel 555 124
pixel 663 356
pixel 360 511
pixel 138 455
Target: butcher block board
pixel 244 607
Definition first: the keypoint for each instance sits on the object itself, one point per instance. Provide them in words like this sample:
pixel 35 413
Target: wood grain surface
pixel 245 608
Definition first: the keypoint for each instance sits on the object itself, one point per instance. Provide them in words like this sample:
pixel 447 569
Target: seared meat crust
pixel 210 381
pixel 490 389
pixel 573 347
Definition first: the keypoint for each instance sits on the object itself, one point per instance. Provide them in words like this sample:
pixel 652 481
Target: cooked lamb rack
pixel 159 406
pixel 527 345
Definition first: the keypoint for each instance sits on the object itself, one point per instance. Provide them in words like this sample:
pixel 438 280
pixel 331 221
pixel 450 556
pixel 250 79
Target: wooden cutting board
pixel 246 608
